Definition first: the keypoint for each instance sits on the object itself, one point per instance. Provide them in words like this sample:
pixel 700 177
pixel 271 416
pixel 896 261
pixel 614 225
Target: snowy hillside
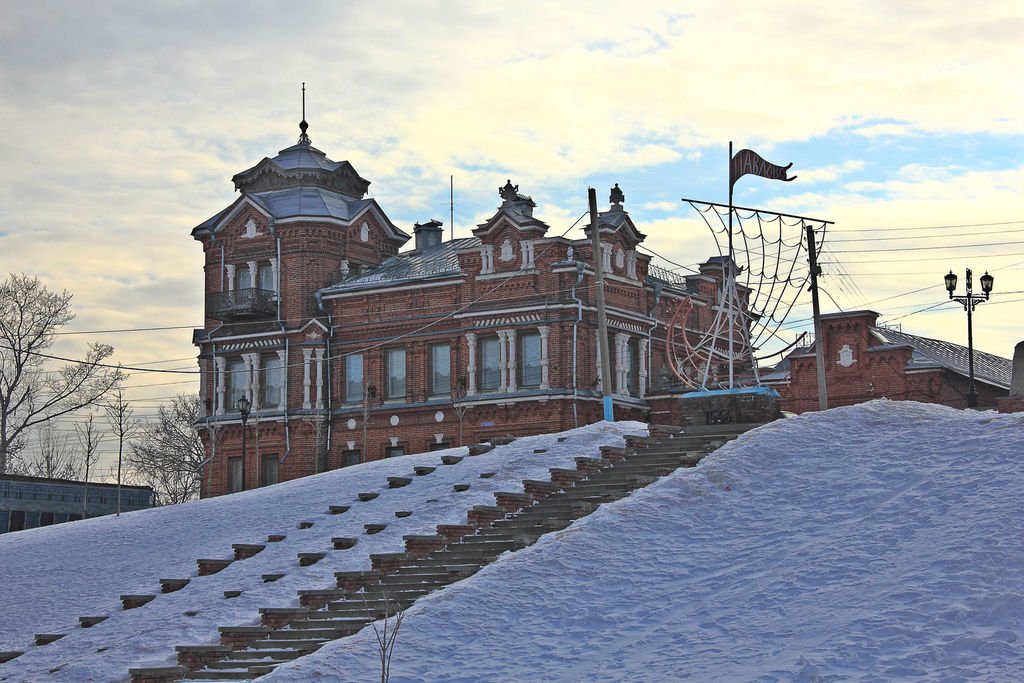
pixel 881 542
pixel 878 542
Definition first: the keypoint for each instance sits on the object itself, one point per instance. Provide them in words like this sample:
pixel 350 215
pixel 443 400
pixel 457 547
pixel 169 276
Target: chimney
pixel 428 235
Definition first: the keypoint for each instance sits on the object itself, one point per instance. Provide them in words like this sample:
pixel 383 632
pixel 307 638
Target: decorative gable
pixel 619 238
pixel 516 212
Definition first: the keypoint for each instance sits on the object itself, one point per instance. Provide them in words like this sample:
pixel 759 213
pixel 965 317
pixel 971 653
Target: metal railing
pixel 241 303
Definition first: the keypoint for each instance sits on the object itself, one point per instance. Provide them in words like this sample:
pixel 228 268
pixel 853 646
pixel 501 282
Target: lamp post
pixel 969 301
pixel 244 406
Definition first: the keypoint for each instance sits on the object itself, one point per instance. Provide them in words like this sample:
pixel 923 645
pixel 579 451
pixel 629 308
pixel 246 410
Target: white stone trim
pixel 621 385
pixel 282 402
pixel 471 364
pixel 642 363
pixel 513 380
pixel 503 361
pixel 221 363
pixel 319 360
pixel 486 259
pixel 306 382
pixel 229 270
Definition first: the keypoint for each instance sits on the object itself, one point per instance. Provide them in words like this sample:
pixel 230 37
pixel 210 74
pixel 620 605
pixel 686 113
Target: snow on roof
pixel 439 261
pixel 930 353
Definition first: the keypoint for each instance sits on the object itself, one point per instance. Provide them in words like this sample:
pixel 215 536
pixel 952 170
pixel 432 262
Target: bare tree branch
pixel 168 454
pixel 30 316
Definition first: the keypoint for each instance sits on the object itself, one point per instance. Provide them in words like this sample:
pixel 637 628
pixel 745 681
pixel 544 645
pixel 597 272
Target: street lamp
pixel 969 301
pixel 244 406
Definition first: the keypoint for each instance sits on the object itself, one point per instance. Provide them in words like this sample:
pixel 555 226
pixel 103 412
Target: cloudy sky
pixel 123 122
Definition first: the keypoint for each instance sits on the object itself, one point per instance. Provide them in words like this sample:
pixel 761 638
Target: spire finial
pixel 303 126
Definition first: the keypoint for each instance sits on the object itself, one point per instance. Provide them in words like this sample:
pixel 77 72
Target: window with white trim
pixel 440 369
pixel 265 275
pixel 395 368
pixel 243 277
pixel 237 379
pixel 354 378
pixel 530 369
pixel 490 363
pixel 273 382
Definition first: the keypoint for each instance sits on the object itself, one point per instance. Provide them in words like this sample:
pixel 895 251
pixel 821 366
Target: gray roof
pixel 305 156
pixel 930 353
pixel 412 266
pixel 310 201
pixel 926 354
pixel 305 202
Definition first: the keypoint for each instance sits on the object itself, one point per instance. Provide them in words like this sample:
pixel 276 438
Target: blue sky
pixel 123 122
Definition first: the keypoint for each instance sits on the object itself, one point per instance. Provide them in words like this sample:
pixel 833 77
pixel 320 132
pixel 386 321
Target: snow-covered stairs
pixel 430 563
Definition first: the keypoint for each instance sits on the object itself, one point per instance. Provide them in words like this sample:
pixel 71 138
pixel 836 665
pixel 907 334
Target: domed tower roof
pixel 302 165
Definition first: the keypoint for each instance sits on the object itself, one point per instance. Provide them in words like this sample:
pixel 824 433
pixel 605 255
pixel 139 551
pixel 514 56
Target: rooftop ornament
pixel 303 126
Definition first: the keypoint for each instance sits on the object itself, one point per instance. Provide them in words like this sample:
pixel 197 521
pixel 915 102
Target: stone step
pixel 233 675
pixel 518 520
pixel 298 630
pixel 304 645
pixel 172 585
pixel 244 551
pixel 254 656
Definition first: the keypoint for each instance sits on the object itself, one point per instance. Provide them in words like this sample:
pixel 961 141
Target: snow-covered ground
pixel 51 576
pixel 877 542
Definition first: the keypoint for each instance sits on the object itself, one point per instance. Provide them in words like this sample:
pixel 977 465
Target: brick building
pixel 351 351
pixel 865 361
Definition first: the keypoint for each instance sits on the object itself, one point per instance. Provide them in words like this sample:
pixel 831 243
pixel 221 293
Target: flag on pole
pixel 747 161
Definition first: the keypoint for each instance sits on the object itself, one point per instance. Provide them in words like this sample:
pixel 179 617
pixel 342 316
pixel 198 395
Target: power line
pixel 933 227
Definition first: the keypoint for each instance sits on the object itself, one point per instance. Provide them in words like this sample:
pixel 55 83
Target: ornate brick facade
pixel 865 362
pixel 350 351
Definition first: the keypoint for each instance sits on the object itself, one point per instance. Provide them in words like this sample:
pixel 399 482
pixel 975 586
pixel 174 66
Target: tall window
pixel 237 378
pixel 236 475
pixel 394 451
pixel 354 378
pixel 490 363
pixel 273 382
pixel 271 465
pixel 632 367
pixel 243 277
pixel 529 359
pixel 350 457
pixel 395 361
pixel 265 275
pixel 440 369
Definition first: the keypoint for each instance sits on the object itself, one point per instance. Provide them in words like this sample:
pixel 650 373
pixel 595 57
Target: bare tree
pixel 459 404
pixel 369 394
pixel 387 633
pixel 168 454
pixel 30 316
pixel 89 439
pixel 54 457
pixel 119 417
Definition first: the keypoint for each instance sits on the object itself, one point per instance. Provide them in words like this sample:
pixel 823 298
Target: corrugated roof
pixel 439 261
pixel 988 368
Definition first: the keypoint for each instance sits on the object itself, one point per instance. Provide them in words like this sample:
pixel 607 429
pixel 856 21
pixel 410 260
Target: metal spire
pixel 303 126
